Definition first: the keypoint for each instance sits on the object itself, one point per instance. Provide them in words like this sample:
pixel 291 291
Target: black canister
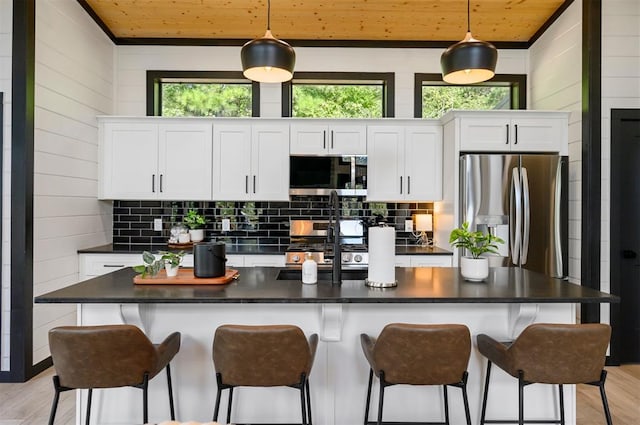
pixel 209 259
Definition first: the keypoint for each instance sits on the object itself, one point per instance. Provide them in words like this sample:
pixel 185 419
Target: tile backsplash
pixel 252 222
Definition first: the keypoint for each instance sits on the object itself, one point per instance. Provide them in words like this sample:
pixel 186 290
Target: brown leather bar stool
pixel 263 356
pixel 549 354
pixel 109 356
pixel 418 354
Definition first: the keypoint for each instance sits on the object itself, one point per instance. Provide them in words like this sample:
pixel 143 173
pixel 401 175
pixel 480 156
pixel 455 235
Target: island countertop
pixel 260 285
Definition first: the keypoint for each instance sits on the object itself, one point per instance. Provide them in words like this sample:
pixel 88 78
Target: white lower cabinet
pixel 423 260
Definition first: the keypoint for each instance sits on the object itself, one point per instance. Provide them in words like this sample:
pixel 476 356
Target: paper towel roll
pixel 382 251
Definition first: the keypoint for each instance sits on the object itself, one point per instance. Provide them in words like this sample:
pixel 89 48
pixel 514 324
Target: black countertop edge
pixel 252 249
pixel 260 285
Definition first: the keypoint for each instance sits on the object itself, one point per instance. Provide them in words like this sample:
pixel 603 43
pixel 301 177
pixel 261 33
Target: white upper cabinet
pixel 404 162
pixel 328 139
pixel 142 159
pixel 251 161
pixel 516 131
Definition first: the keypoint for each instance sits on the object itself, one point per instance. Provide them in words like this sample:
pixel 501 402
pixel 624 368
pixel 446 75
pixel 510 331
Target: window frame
pixel 387 79
pixel 518 87
pixel 155 79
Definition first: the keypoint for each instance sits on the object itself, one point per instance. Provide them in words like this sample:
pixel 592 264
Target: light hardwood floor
pixel 29 403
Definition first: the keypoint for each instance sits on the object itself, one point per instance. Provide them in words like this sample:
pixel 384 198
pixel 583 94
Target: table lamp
pixel 424 224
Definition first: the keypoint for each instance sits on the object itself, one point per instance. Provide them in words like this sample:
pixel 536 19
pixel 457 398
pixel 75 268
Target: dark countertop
pixel 259 285
pixel 252 250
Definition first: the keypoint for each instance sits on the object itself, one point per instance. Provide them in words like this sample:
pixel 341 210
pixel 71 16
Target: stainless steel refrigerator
pixel 523 199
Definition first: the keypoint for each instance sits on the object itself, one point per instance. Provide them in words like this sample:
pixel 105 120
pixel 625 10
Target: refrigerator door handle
pixel 515 207
pixel 526 204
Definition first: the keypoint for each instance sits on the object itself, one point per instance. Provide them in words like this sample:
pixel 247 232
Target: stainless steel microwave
pixel 319 175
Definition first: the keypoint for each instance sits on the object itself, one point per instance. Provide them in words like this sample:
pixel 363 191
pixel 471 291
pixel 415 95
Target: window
pixel 434 97
pixel 201 94
pixel 339 95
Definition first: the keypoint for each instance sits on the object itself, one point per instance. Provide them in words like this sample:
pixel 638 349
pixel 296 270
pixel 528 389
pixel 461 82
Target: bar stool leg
pixel 446 405
pixel 366 407
pixel 302 400
pixel 381 399
pixel 603 395
pixel 89 405
pixel 145 399
pixel 218 395
pixel 229 406
pixel 465 397
pixel 561 396
pixel 56 398
pixel 308 402
pixel 486 393
pixel 171 406
pixel 520 398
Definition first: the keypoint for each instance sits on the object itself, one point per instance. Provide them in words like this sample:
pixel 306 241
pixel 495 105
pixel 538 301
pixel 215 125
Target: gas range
pixel 310 236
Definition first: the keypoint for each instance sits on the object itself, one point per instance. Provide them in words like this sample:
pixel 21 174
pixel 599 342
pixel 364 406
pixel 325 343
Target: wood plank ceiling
pixel 498 21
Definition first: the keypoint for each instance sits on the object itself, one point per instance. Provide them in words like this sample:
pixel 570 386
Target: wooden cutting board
pixel 186 277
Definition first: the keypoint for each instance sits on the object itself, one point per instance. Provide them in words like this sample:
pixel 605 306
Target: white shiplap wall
pixel 134 61
pixel 620 89
pixel 6 8
pixel 74 83
pixel 555 79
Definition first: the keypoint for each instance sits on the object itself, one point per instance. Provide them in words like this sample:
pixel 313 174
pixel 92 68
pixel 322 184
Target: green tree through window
pixel 436 100
pixel 337 101
pixel 206 100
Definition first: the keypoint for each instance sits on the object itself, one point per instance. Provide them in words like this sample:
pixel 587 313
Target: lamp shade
pixel 268 60
pixel 469 61
pixel 424 223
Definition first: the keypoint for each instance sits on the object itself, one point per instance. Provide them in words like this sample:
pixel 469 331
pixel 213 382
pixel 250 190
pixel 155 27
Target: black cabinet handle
pixel 113 265
pixel 324 139
pixel 160 182
pixel 507 134
pixel 246 184
pixel 516 127
pixel 254 183
pixel 408 185
pixel 331 139
pixel 400 185
pixel 153 183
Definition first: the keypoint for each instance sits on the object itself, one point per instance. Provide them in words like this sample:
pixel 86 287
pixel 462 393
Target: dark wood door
pixel 625 234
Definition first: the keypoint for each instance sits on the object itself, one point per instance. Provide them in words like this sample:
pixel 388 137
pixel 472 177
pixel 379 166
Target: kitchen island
pixel 502 306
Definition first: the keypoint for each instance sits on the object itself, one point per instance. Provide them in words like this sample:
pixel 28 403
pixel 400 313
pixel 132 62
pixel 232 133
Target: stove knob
pixel 357 258
pixel 346 257
pixel 295 258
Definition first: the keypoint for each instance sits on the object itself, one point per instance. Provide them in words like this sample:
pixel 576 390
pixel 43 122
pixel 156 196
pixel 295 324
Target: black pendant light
pixel 469 61
pixel 267 59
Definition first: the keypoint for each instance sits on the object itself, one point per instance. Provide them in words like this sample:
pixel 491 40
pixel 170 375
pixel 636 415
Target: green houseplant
pixel 171 261
pixel 474 267
pixel 196 222
pixel 151 265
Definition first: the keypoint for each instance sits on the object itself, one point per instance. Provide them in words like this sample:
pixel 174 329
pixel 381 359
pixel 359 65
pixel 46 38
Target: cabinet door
pixel 485 134
pixel 347 139
pixel 537 134
pixel 423 163
pixel 269 178
pixel 232 161
pixel 385 171
pixel 185 161
pixel 308 139
pixel 130 161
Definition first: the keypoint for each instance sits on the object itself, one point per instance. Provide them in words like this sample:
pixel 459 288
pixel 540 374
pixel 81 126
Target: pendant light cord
pixel 468 15
pixel 269 15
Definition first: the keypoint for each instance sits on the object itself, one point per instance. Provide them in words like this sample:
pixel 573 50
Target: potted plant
pixel 195 222
pixel 151 265
pixel 474 267
pixel 171 262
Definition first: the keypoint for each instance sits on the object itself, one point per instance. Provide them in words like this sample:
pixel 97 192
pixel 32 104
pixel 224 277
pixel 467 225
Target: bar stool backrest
pixel 101 356
pixel 261 356
pixel 561 353
pixel 422 354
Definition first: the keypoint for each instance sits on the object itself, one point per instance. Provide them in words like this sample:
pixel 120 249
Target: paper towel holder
pixel 378 284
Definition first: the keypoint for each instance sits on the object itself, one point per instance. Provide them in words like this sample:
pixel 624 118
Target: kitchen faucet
pixel 334 231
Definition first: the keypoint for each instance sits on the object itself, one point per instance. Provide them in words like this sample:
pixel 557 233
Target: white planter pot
pixel 172 271
pixel 197 235
pixel 474 269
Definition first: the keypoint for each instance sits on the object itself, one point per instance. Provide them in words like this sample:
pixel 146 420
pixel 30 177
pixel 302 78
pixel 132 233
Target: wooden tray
pixel 185 277
pixel 180 245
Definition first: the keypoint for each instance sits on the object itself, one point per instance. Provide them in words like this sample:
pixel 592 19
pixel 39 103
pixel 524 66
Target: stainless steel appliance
pixel 523 199
pixel 319 175
pixel 311 236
